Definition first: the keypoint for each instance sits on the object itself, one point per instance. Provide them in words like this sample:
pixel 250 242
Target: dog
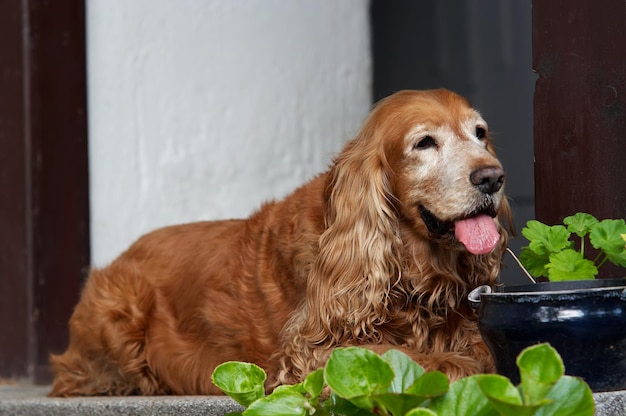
pixel 380 251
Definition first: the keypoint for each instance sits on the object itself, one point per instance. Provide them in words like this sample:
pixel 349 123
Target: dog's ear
pixel 358 258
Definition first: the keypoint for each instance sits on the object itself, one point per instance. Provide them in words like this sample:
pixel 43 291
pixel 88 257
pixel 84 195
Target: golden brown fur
pixel 344 260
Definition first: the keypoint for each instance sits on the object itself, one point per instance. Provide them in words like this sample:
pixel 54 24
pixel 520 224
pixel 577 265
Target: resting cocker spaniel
pixel 379 251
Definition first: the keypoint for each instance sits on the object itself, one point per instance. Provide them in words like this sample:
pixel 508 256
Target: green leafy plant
pixel 358 382
pixel 552 252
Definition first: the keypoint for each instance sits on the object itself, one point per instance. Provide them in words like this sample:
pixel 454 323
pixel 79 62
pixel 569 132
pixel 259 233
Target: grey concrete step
pixel 31 401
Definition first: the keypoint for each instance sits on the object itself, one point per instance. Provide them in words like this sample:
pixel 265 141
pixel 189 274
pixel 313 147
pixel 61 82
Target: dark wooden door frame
pixel 580 110
pixel 44 211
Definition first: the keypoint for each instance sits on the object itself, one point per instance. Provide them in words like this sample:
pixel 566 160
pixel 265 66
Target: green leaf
pixel 570 265
pixel 291 388
pixel 282 402
pixel 504 397
pixel 397 403
pixel 540 368
pixel 357 373
pixel 534 263
pixel 580 223
pixel 500 388
pixel 463 399
pixel 606 236
pixel 570 396
pixel 313 384
pixel 428 386
pixel 545 239
pixel 406 370
pixel 244 382
pixel 431 384
pixel 421 412
pixel 339 406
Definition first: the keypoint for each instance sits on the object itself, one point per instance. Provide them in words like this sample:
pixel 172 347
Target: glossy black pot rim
pixel 565 286
pixel 570 292
pixel 615 289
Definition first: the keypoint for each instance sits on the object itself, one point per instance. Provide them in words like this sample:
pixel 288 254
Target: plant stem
pixel 603 260
pixel 582 246
pixel 597 259
pixel 519 263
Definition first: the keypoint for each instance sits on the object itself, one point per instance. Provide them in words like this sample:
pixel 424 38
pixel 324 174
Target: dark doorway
pixel 480 49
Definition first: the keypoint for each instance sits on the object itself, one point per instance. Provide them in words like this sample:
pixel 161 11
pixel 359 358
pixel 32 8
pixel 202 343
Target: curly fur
pixel 344 260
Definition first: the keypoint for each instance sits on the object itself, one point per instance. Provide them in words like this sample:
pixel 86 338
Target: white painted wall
pixel 205 109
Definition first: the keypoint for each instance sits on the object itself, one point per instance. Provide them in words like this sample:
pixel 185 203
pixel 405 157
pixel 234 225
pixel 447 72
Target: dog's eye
pixel 481 133
pixel 425 143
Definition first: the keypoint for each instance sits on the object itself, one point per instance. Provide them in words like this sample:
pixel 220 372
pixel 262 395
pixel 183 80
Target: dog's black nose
pixel 488 180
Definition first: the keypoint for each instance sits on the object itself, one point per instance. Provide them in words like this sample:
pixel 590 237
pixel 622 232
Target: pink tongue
pixel 478 234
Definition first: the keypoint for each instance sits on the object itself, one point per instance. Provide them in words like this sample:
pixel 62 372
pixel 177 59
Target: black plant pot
pixel 585 321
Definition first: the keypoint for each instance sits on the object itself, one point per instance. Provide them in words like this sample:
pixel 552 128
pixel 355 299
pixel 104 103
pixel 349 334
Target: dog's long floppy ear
pixel 358 259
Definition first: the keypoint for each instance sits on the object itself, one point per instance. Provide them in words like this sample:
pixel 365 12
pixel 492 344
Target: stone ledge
pixel 31 401
pixel 610 403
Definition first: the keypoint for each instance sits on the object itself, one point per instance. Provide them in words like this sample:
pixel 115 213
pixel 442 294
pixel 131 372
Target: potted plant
pixel 583 317
pixel 358 382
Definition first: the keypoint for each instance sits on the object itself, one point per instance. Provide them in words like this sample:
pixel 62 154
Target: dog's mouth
pixel 477 231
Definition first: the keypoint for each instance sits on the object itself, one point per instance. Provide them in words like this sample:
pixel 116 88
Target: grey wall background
pixel 481 49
